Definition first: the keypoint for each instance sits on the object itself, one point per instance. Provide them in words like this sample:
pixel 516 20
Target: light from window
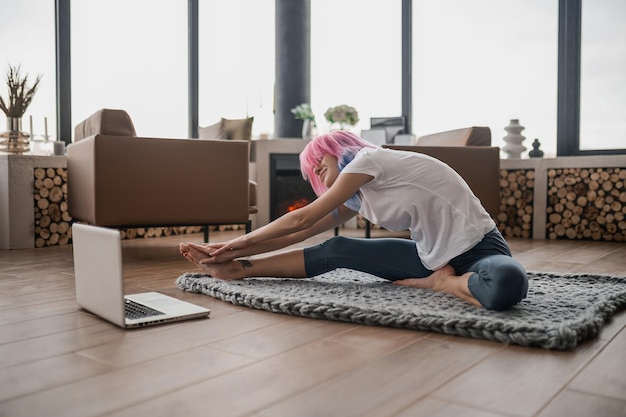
pixel 603 75
pixel 27 40
pixel 483 63
pixel 131 55
pixel 236 69
pixel 356 58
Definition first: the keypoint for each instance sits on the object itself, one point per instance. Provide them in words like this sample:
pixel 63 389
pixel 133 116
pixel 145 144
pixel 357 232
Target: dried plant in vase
pixel 20 97
pixel 20 94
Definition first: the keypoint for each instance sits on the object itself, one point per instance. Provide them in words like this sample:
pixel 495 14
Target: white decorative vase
pixel 514 148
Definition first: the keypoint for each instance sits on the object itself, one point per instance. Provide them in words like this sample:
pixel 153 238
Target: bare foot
pixel 444 280
pixel 434 281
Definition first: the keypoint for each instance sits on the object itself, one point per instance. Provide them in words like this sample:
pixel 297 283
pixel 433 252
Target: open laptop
pixel 100 285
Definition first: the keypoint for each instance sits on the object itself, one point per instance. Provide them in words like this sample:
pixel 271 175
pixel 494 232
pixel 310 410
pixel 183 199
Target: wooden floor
pixel 56 360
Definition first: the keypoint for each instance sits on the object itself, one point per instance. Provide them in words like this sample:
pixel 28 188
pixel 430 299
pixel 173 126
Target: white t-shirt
pixel 413 191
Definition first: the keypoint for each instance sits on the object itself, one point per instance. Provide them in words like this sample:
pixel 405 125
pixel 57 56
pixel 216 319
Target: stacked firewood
pixel 52 221
pixel 516 203
pixel 586 203
pixel 148 232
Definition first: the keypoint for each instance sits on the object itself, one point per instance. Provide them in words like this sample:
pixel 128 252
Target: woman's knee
pixel 335 243
pixel 320 258
pixel 498 282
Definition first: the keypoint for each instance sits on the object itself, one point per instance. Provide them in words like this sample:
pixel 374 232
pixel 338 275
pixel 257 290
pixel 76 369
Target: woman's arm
pixel 325 223
pixel 303 218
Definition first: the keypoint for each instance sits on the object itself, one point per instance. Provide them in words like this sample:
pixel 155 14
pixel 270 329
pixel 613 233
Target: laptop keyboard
pixel 135 310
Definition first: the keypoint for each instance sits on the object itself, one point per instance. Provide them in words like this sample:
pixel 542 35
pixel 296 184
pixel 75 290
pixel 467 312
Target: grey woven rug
pixel 559 312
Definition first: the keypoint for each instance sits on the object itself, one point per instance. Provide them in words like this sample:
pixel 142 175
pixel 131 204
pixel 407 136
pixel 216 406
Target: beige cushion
pixel 469 136
pixel 215 131
pixel 105 122
pixel 239 129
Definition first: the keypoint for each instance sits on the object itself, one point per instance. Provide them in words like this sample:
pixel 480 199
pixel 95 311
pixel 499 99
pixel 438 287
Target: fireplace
pixel 288 190
pixel 260 151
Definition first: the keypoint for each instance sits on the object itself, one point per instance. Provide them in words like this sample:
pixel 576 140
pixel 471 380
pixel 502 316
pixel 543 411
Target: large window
pixel 356 58
pixel 27 41
pixel 484 62
pixel 603 75
pixel 236 70
pixel 131 55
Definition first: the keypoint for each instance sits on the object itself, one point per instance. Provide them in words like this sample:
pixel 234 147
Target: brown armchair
pixel 118 180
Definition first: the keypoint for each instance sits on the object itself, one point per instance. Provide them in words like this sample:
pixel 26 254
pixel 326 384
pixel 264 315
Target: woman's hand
pixel 204 248
pixel 221 252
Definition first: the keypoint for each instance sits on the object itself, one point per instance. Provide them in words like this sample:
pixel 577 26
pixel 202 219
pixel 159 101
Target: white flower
pixel 343 114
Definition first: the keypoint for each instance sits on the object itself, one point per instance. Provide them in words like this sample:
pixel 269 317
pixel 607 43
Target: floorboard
pixel 56 359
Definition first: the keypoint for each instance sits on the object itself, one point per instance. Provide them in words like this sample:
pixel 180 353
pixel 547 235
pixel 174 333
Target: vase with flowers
pixel 20 97
pixel 342 115
pixel 305 113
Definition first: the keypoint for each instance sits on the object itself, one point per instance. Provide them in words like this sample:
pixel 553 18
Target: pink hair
pixel 340 144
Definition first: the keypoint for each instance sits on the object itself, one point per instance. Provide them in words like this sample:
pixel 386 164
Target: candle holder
pixel 37 146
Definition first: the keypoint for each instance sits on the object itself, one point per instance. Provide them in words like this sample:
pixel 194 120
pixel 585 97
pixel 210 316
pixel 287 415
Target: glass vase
pixel 14 140
pixel 309 129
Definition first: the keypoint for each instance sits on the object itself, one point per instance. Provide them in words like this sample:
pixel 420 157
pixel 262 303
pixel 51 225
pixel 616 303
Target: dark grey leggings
pixel 498 283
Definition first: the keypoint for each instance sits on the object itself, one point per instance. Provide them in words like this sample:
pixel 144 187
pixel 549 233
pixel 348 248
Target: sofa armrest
pixel 81 183
pixel 105 122
pixel 122 181
pixel 469 136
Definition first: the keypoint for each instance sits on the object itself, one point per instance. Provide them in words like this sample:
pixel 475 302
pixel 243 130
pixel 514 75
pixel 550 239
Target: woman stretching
pixel 454 248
